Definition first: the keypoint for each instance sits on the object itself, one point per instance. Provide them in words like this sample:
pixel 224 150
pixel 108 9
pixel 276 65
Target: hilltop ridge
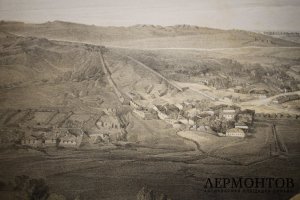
pixel 146 36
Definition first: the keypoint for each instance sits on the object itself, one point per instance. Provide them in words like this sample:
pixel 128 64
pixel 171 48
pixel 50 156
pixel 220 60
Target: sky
pixel 226 14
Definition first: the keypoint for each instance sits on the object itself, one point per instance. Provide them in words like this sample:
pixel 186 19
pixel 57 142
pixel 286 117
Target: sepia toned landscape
pixel 145 112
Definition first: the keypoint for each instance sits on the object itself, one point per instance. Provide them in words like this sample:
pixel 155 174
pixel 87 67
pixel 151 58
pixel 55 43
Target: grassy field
pixel 156 158
pixel 156 134
pixel 118 174
pixel 290 135
pixel 244 151
pixel 251 149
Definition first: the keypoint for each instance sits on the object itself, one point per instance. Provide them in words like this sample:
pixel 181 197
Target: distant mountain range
pixel 146 36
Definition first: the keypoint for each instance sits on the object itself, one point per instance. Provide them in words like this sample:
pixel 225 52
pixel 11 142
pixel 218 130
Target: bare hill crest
pixel 146 36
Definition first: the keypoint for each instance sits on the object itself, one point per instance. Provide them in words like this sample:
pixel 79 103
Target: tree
pixel 31 189
pixel 221 125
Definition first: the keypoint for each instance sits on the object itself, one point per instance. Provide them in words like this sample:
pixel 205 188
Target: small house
pixel 235 132
pixel 30 141
pixel 241 125
pixel 227 114
pixel 134 105
pixel 68 140
pixel 146 114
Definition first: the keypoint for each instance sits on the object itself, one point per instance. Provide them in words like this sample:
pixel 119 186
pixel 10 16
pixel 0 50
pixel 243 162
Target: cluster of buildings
pixel 276 116
pixel 65 129
pixel 108 128
pixel 286 98
pixel 238 122
pixel 187 116
pixel 57 137
pixel 105 129
pixel 143 112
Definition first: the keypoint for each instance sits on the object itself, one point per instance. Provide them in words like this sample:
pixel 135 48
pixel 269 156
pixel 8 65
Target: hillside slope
pixel 62 84
pixel 39 72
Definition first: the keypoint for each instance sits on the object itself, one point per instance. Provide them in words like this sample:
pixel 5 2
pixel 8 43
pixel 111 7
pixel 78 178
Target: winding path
pixel 198 148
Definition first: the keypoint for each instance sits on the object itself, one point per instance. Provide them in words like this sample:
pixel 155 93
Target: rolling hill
pixel 39 72
pixel 145 36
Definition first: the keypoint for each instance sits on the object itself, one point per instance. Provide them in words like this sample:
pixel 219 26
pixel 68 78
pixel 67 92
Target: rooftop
pixel 228 111
pixel 240 124
pixel 235 130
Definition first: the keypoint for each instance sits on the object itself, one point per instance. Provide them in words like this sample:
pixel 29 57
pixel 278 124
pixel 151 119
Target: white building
pixel 209 112
pixel 160 114
pixel 145 114
pixel 69 140
pixel 30 141
pixel 242 126
pixel 228 114
pixel 235 132
pixel 179 106
pixel 134 105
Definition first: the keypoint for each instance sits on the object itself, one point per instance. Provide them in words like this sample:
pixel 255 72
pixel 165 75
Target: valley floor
pixel 118 173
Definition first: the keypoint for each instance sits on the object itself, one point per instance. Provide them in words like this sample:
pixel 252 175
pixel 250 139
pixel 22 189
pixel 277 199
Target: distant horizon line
pixel 155 25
